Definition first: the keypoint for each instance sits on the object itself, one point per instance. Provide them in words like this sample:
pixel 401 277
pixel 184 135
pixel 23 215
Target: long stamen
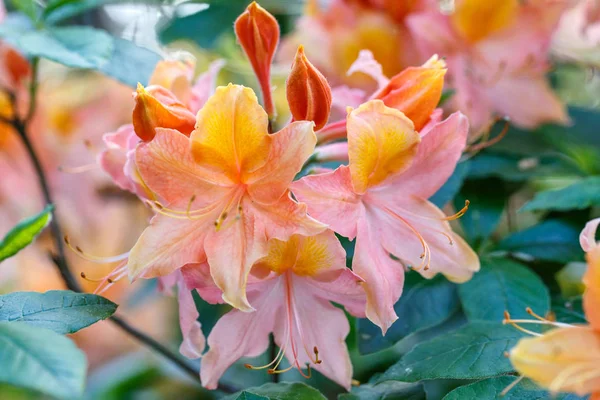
pixel 511 386
pixel 459 214
pixel 84 276
pixel 509 321
pixel 485 143
pixel 116 275
pixel 426 255
pixel 93 258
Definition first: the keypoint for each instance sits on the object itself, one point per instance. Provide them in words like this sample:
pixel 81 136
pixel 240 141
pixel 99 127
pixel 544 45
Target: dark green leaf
pixel 279 391
pixel 485 209
pixel 40 359
pixel 580 195
pixel 385 391
pixel 569 311
pixel 437 389
pixel 447 192
pixel 62 311
pixel 206 26
pixel 471 352
pixel 503 285
pixel 517 168
pixel 423 304
pixel 130 63
pixel 24 233
pixel 58 10
pixel 551 240
pixel 491 389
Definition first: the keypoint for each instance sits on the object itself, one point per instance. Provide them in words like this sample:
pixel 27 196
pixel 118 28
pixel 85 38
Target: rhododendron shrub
pixel 378 199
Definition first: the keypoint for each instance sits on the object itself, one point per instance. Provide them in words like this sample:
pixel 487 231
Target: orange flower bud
pixel 258 34
pixel 416 91
pixel 16 65
pixel 156 107
pixel 308 92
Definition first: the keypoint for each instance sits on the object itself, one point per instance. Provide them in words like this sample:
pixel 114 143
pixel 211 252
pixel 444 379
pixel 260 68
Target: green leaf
pixel 24 233
pixel 551 240
pixel 519 168
pixel 130 63
pixel 569 311
pixel 27 7
pixel 447 192
pixel 580 195
pixel 58 10
pixel 62 311
pixel 87 48
pixel 206 26
pixel 385 391
pixel 73 46
pixel 423 304
pixel 279 391
pixel 491 389
pixel 503 285
pixel 471 352
pixel 42 360
pixel 485 209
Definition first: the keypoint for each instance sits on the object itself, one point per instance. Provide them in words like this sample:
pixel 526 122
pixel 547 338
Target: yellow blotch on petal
pixel 477 19
pixel 231 134
pixel 305 256
pixel 562 360
pixel 382 142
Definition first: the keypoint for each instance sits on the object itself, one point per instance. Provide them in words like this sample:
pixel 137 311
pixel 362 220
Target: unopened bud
pixel 308 92
pixel 16 65
pixel 416 91
pixel 258 33
pixel 156 107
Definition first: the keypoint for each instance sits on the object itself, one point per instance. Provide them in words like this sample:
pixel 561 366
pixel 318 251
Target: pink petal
pixel 238 334
pixel 193 339
pixel 205 85
pixel 367 64
pixel 346 289
pixel 331 199
pixel 587 238
pixel 438 153
pixel 197 276
pixel 344 96
pixel 169 170
pixel 289 149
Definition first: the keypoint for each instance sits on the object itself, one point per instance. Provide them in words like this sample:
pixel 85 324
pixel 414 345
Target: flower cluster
pixel 232 223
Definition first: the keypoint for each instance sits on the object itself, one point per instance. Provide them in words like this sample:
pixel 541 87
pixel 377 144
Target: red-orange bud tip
pixel 257 32
pixel 17 66
pixel 308 92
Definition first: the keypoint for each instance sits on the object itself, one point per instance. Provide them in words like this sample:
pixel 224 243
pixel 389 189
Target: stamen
pixel 507 320
pixel 84 276
pixel 484 144
pixel 77 170
pixel 511 386
pixel 459 213
pixel 426 255
pixel 116 275
pixel 534 315
pixel 93 258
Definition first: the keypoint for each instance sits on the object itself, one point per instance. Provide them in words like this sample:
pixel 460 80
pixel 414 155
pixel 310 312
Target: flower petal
pixel 238 334
pixel 205 85
pixel 382 142
pixel 346 289
pixel 288 150
pixel 587 238
pixel 197 276
pixel 331 199
pixel 440 149
pixel 591 296
pixel 169 170
pixel 367 64
pixel 193 339
pixel 562 360
pixel 231 133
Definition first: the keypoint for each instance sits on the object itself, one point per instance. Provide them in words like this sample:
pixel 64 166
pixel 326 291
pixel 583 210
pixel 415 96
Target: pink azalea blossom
pixel 222 192
pixel 380 199
pixel 299 279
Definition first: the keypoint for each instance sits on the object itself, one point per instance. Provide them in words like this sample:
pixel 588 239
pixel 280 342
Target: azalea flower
pixel 497 53
pixel 292 287
pixel 170 87
pixel 223 192
pixel 380 199
pixel 567 359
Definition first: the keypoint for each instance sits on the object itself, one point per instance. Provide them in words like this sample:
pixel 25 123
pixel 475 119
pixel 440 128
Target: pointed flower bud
pixel 16 65
pixel 156 107
pixel 308 92
pixel 258 33
pixel 416 91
